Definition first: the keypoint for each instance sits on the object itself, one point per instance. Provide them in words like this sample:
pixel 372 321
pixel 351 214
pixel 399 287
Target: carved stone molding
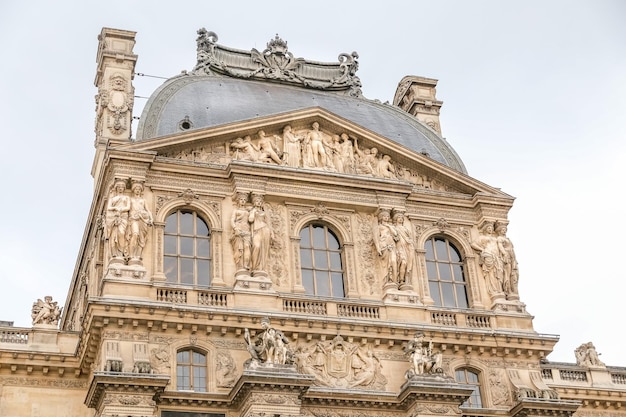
pixel 275 63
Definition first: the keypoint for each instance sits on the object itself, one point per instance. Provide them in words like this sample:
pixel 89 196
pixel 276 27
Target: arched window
pixel 444 267
pixel 466 376
pixel 187 249
pixel 191 370
pixel 320 257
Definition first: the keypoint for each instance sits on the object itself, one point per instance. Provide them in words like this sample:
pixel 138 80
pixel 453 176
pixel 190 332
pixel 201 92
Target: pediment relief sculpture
pixel 310 148
pixel 275 63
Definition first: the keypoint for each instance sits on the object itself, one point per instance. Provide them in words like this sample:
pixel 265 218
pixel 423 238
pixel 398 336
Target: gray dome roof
pixel 210 101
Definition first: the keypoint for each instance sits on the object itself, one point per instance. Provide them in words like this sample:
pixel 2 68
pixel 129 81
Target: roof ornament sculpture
pixel 276 64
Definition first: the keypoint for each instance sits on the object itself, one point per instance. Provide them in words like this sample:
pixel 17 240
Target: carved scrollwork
pixel 341 364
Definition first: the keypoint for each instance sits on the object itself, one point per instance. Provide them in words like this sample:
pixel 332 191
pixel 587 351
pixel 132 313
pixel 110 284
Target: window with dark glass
pixel 320 257
pixel 445 270
pixel 191 370
pixel 187 249
pixel 466 376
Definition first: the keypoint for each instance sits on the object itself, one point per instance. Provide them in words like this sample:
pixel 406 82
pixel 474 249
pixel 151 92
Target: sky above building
pixel 534 99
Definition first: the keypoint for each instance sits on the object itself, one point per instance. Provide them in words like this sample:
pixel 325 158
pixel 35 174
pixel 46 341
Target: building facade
pixel 271 243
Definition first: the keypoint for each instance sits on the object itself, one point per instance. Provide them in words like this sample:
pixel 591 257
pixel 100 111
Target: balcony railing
pixel 318 308
pixel 358 311
pixel 14 336
pixel 571 375
pixel 618 378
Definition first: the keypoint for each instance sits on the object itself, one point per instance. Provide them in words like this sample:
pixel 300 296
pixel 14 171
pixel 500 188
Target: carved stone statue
pixel 347 154
pixel 405 249
pixel 46 311
pixel 292 152
pixel 365 160
pixel 267 149
pixel 116 221
pixel 140 219
pixel 314 154
pixel 510 276
pixel 269 346
pixel 384 168
pixel 244 149
pixel 423 359
pixel 490 260
pixel 385 238
pixel 241 239
pixel 225 370
pixel 160 360
pixel 262 236
pixel 586 355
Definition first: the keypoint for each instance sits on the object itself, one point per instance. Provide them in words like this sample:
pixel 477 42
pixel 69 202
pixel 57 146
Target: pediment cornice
pixel 325 143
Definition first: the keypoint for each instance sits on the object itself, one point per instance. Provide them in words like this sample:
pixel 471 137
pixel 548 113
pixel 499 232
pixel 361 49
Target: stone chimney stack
pixel 416 95
pixel 115 98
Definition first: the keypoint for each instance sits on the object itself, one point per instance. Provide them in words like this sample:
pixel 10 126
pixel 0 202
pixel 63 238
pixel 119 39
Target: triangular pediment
pixel 311 140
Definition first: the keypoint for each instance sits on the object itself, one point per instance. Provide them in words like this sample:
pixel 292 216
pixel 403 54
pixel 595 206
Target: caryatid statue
pixel 385 238
pixel 116 221
pixel 490 260
pixel 140 219
pixel 261 236
pixel 241 239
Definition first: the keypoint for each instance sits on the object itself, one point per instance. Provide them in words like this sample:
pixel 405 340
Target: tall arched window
pixel 466 376
pixel 187 249
pixel 320 257
pixel 191 370
pixel 444 266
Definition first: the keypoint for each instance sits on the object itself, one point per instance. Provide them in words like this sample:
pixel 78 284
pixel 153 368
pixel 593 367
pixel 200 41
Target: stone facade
pixel 293 264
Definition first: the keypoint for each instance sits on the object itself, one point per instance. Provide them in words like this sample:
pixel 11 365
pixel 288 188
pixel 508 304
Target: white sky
pixel 534 98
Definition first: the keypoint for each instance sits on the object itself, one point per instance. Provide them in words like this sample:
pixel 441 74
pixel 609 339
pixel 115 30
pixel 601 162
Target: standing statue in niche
pixel 140 219
pixel 405 249
pixel 292 151
pixel 587 355
pixel 490 261
pixel 509 263
pixel 262 236
pixel 385 239
pixel 116 221
pixel 241 239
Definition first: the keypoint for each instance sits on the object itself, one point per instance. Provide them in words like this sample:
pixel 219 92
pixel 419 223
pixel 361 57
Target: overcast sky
pixel 534 99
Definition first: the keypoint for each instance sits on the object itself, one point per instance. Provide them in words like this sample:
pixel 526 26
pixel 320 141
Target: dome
pixel 208 101
pixel 229 85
